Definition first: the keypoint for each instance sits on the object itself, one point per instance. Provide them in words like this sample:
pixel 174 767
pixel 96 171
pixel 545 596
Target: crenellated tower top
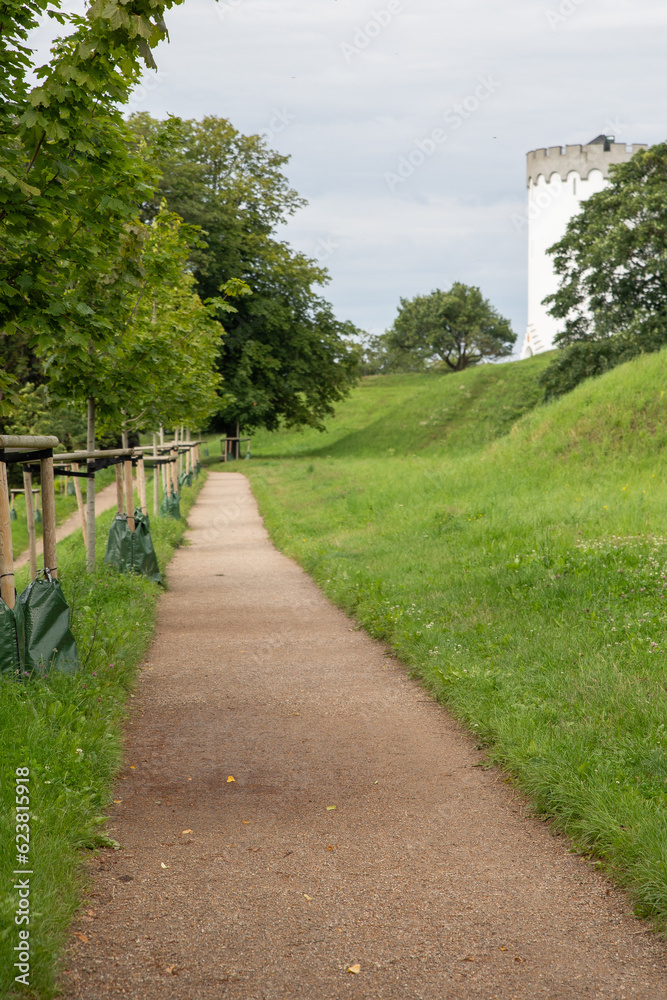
pixel 599 154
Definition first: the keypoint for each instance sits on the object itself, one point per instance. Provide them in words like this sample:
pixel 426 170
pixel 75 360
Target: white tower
pixel 558 181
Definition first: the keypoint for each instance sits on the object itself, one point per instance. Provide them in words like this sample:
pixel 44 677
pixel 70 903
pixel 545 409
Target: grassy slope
pixel 406 414
pixel 523 580
pixel 44 724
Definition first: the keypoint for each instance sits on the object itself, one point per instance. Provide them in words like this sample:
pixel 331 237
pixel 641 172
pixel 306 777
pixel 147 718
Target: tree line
pixel 140 270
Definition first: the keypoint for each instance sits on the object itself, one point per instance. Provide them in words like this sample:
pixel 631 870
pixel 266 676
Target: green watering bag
pixel 132 551
pixel 9 645
pixel 170 506
pixel 143 558
pixel 42 626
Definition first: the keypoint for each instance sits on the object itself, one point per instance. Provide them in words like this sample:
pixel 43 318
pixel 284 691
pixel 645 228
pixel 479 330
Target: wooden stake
pixel 141 485
pixel 129 495
pixel 120 502
pixel 90 492
pixel 173 468
pixel 30 519
pixel 49 515
pixel 7 587
pixel 156 480
pixel 79 503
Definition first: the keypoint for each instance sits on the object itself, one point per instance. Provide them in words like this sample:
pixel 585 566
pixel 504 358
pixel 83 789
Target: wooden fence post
pixel 173 470
pixel 30 520
pixel 156 480
pixel 7 586
pixel 141 484
pixel 90 492
pixel 120 502
pixel 129 495
pixel 79 503
pixel 49 516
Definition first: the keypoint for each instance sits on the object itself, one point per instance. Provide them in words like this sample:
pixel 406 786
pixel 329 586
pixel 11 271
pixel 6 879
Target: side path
pixel 105 499
pixel 357 831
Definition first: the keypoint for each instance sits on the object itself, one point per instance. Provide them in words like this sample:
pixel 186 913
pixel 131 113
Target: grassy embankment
pixel 522 576
pixel 67 730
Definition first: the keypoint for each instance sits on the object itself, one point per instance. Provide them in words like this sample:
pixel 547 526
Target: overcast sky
pixel 353 91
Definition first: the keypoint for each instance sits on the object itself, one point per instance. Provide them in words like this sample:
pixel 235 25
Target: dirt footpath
pixel 357 832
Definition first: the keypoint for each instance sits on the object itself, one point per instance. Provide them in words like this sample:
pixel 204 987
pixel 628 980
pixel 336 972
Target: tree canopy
pixel 94 302
pixel 71 174
pixel 285 357
pixel 612 265
pixel 447 331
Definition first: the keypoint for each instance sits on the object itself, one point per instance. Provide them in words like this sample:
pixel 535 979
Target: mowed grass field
pixel 514 555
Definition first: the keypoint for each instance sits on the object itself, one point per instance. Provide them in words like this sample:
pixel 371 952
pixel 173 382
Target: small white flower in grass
pixel 79 750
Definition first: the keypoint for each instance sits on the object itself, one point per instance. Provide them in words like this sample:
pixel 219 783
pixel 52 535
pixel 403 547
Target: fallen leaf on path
pixel 356 969
pixel 330 807
pixel 246 821
pixel 230 779
pixel 517 959
pixel 329 848
pixel 117 801
pixel 81 937
pixel 162 865
pixel 183 832
pixel 309 898
pixel 172 970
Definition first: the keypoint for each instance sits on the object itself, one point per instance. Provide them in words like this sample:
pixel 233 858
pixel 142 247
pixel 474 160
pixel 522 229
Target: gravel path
pixel 358 831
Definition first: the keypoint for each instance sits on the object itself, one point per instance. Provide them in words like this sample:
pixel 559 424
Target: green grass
pixel 521 576
pixel 44 725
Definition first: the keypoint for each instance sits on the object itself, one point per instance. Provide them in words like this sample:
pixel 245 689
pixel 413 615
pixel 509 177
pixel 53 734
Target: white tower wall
pixel 559 180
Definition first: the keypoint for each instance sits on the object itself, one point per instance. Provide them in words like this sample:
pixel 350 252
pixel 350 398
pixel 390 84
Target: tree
pixel 160 365
pixel 447 331
pixel 284 357
pixel 612 262
pixel 71 174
